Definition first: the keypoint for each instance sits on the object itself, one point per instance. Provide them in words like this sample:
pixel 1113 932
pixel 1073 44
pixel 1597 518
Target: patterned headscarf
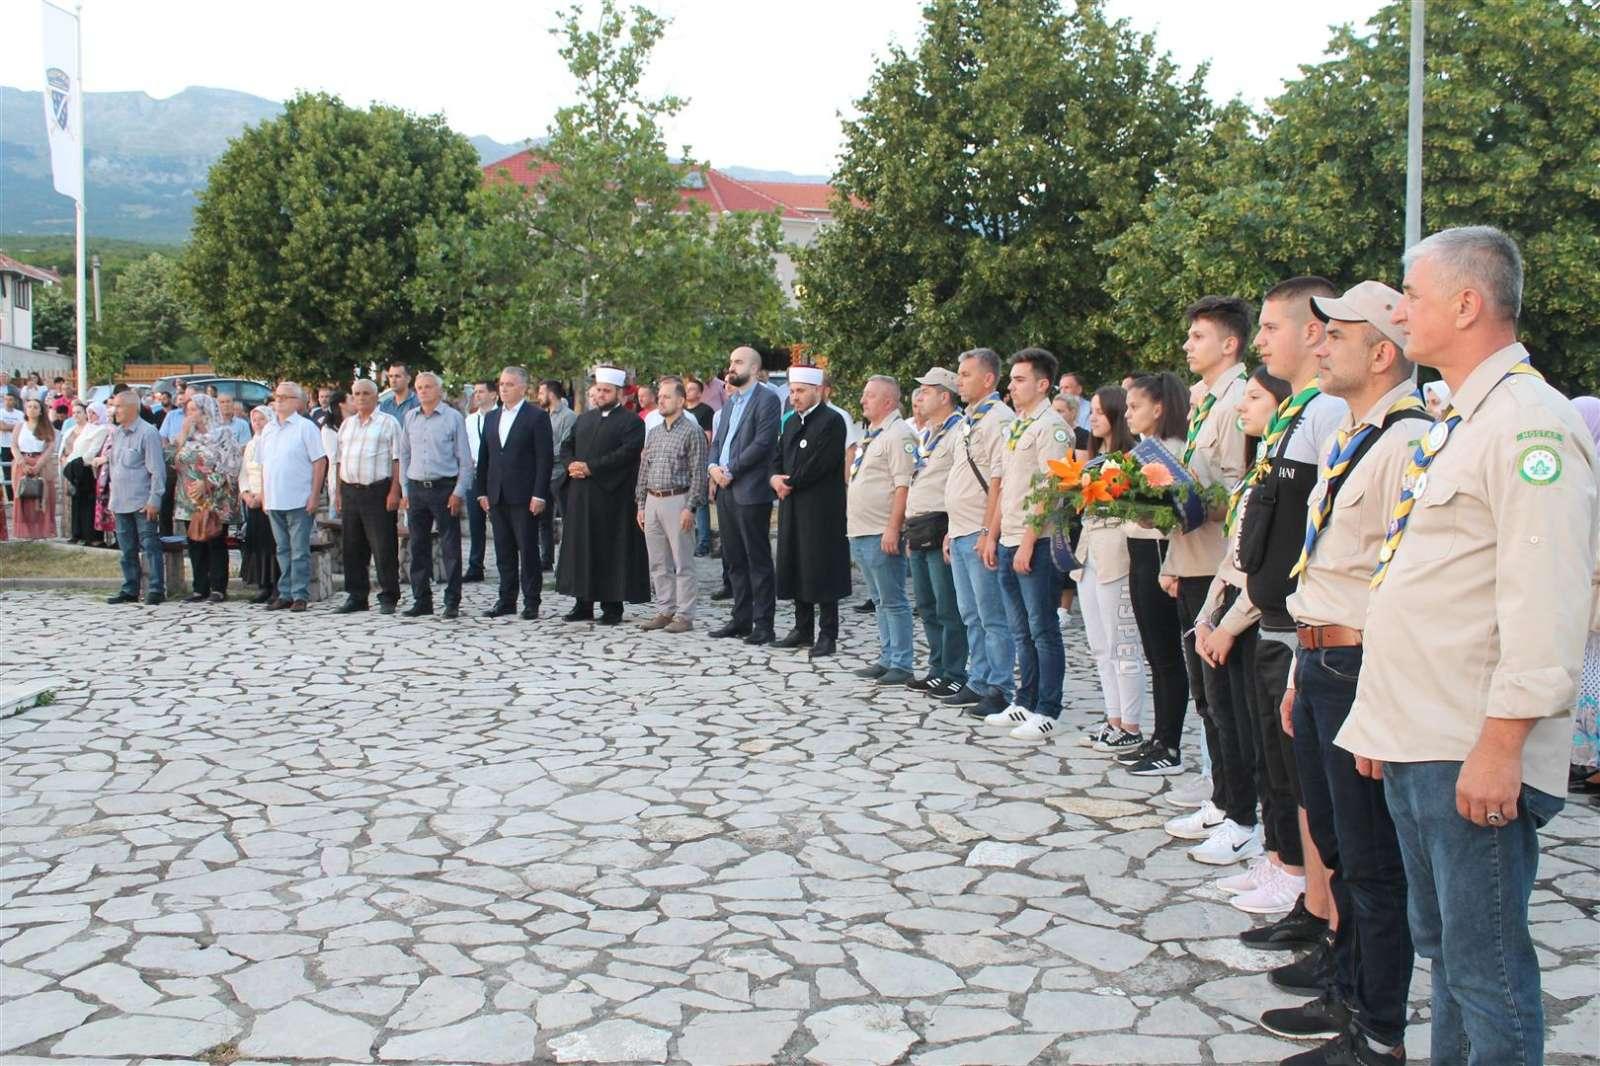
pixel 218 438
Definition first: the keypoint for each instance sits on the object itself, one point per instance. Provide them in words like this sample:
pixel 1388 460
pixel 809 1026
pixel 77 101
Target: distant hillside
pixel 148 159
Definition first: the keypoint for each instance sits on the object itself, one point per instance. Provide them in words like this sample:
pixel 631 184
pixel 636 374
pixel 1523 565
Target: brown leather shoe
pixel 660 621
pixel 298 605
pixel 678 625
pixel 279 605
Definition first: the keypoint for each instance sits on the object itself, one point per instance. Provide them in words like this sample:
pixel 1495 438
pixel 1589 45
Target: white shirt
pixel 852 428
pixel 475 431
pixel 287 451
pixel 653 419
pixel 508 415
pixel 9 421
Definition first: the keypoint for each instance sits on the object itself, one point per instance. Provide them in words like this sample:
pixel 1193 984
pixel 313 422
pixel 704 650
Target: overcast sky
pixel 766 79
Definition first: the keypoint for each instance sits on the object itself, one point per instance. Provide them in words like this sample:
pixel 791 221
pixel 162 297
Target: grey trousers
pixel 671 549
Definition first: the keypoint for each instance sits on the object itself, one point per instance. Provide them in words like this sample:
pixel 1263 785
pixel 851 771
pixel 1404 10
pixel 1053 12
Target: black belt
pixel 667 494
pixel 364 484
pixel 449 482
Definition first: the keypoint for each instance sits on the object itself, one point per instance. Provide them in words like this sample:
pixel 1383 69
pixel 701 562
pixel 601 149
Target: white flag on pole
pixel 63 100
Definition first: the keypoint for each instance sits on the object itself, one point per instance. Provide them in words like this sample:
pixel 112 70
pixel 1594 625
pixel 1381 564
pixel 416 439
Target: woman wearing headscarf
pixel 206 463
pixel 258 564
pixel 82 444
pixel 1585 772
pixel 1436 394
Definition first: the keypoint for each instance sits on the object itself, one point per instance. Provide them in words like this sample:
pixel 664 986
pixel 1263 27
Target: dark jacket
pixel 755 447
pixel 515 473
pixel 813 551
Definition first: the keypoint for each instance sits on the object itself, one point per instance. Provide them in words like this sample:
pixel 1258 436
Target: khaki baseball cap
pixel 1371 302
pixel 940 378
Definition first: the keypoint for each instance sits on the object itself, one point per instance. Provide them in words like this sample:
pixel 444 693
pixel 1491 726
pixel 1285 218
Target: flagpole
pixel 83 320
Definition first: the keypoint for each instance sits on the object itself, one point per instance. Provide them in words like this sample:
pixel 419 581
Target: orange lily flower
pixel 1096 492
pixel 1068 471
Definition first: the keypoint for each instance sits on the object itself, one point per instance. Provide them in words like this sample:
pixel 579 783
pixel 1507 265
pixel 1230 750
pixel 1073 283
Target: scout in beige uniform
pixel 875 509
pixel 1030 583
pixel 926 525
pixel 1214 453
pixel 1474 636
pixel 972 500
pixel 1361 361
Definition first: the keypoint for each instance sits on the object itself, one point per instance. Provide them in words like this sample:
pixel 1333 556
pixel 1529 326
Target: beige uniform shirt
pixel 1484 609
pixel 1103 547
pixel 1219 459
pixel 891 457
pixel 965 499
pixel 1046 437
pixel 1334 587
pixel 928 484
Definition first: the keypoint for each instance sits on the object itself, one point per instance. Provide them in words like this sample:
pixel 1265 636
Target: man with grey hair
pixel 368 496
pixel 138 479
pixel 875 508
pixel 513 478
pixel 1472 637
pixel 293 465
pixel 436 478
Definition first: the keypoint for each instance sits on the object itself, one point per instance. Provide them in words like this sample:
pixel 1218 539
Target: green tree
pixel 144 319
pixel 604 260
pixel 1512 139
pixel 985 170
pixel 54 319
pixel 304 240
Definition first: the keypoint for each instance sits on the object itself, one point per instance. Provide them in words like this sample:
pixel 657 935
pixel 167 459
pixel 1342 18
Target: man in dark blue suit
pixel 741 465
pixel 513 481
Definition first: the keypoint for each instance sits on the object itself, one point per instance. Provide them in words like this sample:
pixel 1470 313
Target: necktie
pixel 1417 477
pixel 861 452
pixel 1287 412
pixel 1345 445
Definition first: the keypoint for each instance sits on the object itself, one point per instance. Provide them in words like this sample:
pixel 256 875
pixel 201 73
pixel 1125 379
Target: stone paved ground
pixel 295 837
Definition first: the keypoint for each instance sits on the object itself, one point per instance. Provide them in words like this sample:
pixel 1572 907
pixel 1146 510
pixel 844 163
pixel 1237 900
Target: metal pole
pixel 1414 129
pixel 83 321
pixel 94 270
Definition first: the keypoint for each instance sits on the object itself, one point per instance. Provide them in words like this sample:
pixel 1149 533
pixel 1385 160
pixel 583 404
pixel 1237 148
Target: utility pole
pixel 1414 129
pixel 94 269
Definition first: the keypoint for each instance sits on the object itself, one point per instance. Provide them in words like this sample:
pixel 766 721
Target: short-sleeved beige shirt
pixel 1334 588
pixel 890 458
pixel 965 500
pixel 1046 437
pixel 928 484
pixel 1484 609
pixel 1219 459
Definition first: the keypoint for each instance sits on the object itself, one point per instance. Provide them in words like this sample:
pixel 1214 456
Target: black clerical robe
pixel 813 552
pixel 603 555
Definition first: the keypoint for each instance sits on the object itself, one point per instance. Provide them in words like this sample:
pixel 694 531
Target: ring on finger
pixel 1495 818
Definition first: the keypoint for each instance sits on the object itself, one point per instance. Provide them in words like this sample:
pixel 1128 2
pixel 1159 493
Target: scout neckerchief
pixel 1020 426
pixel 1287 412
pixel 930 438
pixel 1416 478
pixel 1197 420
pixel 861 452
pixel 1346 444
pixel 975 414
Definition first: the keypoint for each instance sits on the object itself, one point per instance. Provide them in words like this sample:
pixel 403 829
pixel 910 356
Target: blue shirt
pixel 288 453
pixel 138 469
pixel 172 424
pixel 733 414
pixel 397 411
pixel 433 447
pixel 241 429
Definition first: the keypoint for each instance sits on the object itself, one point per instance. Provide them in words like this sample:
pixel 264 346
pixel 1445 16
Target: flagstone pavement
pixel 313 839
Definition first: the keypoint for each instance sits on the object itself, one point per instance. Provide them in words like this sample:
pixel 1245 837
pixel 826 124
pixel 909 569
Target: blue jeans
pixel 935 590
pixel 991 653
pixel 702 531
pixel 1468 902
pixel 136 535
pixel 885 577
pixel 291 533
pixel 1354 834
pixel 1031 600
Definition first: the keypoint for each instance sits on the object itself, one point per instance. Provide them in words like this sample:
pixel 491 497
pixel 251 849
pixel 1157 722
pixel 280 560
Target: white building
pixel 18 282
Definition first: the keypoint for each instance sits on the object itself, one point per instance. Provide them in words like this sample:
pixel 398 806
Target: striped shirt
pixel 367 451
pixel 674 458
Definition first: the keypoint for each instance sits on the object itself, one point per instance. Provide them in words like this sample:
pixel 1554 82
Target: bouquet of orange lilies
pixel 1146 486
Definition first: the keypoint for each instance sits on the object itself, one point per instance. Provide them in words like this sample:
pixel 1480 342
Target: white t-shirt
pixel 1322 418
pixel 9 421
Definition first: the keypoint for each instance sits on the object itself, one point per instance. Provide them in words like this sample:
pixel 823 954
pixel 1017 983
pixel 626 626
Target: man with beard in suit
pixel 741 467
pixel 813 553
pixel 514 464
pixel 603 555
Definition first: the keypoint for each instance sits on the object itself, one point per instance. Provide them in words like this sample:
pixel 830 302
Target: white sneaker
pixel 1197 824
pixel 1095 735
pixel 1063 615
pixel 1037 727
pixel 1254 877
pixel 1192 794
pixel 1230 842
pixel 1276 896
pixel 1012 715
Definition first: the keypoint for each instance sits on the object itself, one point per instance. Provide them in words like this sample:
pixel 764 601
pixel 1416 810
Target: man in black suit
pixel 514 463
pixel 742 455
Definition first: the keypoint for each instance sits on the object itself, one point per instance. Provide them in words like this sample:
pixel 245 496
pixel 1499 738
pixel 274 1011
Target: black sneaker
pixel 1307 976
pixel 922 684
pixel 1320 1019
pixel 1299 930
pixel 1139 754
pixel 1117 741
pixel 962 697
pixel 1347 1049
pixel 945 688
pixel 1161 762
pixel 986 705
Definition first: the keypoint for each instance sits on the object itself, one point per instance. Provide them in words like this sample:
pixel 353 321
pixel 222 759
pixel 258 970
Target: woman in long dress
pixel 258 565
pixel 34 456
pixel 78 451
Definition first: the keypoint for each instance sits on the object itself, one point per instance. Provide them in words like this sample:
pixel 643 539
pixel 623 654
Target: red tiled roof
pixel 718 191
pixel 14 266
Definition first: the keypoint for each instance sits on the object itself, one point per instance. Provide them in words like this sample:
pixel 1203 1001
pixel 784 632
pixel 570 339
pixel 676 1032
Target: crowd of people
pixel 1380 735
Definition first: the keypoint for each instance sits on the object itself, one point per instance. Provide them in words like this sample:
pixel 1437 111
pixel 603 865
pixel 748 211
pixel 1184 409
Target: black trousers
pixel 428 504
pixel 1162 636
pixel 805 619
pixel 477 534
pixel 516 552
pixel 370 535
pixel 1351 828
pixel 747 552
pixel 1209 687
pixel 208 559
pixel 169 497
pixel 1233 725
pixel 547 530
pixel 82 477
pixel 1280 785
